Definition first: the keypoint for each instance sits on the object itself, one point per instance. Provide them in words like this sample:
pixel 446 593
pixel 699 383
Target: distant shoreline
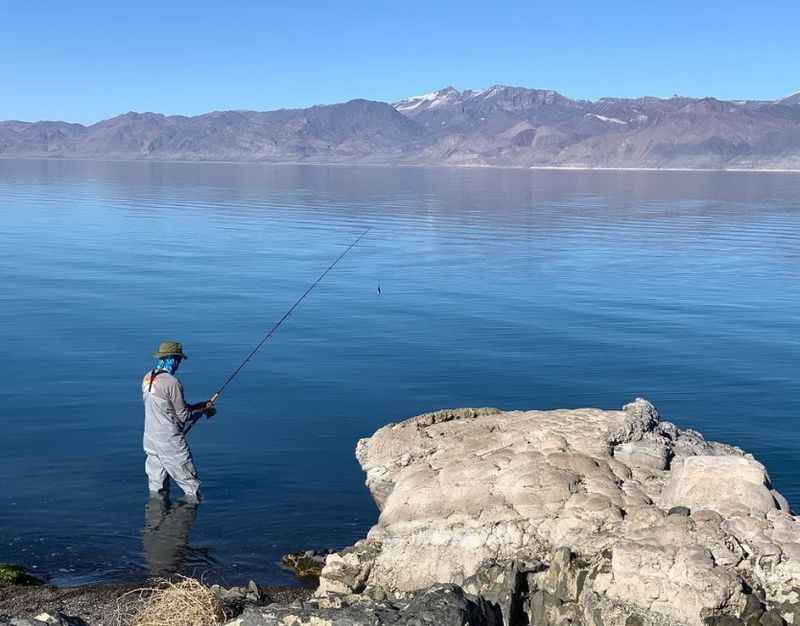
pixel 534 168
pixel 579 168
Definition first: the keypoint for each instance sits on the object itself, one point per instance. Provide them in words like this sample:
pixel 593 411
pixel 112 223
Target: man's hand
pixel 203 408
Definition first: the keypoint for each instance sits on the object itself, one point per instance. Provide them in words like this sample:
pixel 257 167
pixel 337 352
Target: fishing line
pixel 285 315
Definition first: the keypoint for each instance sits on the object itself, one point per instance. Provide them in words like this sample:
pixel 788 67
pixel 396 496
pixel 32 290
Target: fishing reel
pixel 211 411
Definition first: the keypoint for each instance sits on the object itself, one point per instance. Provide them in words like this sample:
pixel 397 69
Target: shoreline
pixel 23 596
pixel 531 168
pixel 492 517
pixel 99 604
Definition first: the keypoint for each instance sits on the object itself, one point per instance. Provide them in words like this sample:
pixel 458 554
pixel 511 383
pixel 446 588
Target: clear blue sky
pixel 84 61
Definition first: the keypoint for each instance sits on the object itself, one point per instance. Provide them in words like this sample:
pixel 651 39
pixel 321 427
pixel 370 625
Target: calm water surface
pixel 507 288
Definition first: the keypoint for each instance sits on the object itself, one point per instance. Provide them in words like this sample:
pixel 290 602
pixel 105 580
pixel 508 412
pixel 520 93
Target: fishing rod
pixel 272 330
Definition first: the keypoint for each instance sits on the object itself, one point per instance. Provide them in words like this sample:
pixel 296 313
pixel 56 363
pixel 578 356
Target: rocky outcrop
pixel 612 518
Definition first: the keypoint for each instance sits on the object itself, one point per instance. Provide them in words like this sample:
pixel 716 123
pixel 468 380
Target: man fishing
pixel 167 417
pixel 167 421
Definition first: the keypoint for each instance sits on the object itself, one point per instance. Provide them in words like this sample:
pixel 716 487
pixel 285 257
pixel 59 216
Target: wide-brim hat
pixel 170 348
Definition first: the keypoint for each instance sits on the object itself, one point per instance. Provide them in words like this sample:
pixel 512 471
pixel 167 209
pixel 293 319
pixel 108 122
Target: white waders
pixel 167 420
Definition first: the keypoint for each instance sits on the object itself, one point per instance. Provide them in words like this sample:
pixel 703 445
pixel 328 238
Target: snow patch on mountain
pixel 492 91
pixel 428 100
pixel 603 118
pixel 415 101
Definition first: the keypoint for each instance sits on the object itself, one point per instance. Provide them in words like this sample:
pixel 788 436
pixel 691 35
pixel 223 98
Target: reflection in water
pixel 501 288
pixel 165 537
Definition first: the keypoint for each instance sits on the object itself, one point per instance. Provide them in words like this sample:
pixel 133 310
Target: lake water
pixel 509 288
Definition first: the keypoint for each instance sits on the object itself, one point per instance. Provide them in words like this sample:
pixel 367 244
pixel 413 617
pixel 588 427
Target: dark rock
pixel 504 585
pixel 449 605
pixel 567 575
pixel 753 608
pixel 441 605
pixel 681 511
pixel 547 609
pixel 540 602
pixel 581 581
pixel 771 618
pixel 725 620
pixel 634 620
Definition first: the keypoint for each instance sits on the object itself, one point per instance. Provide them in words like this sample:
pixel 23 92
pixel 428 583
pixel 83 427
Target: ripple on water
pixel 506 288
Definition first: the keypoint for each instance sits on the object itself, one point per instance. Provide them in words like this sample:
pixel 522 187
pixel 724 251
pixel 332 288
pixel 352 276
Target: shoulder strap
pixel 153 375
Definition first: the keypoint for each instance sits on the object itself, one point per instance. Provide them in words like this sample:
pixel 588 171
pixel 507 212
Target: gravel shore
pixel 98 604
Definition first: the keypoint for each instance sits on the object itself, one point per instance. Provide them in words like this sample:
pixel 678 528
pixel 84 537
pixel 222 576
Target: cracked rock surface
pixel 577 516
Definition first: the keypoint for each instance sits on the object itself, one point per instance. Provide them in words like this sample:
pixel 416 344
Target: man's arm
pixel 188 413
pixel 183 411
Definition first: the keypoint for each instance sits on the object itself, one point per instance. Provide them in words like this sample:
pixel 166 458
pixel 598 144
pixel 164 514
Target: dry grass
pixel 183 602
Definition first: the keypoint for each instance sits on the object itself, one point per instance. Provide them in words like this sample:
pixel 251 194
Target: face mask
pixel 168 364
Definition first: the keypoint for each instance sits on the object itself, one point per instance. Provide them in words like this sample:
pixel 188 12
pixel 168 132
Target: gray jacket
pixel 167 417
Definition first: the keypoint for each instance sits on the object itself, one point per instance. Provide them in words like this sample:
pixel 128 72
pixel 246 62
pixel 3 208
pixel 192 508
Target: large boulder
pixel 729 485
pixel 572 516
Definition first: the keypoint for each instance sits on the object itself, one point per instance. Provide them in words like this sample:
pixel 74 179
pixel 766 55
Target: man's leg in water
pixel 156 475
pixel 180 467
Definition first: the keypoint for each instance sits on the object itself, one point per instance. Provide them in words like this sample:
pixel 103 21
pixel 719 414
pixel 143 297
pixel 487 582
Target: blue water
pixel 508 288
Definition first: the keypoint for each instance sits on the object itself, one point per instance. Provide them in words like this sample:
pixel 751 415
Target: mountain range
pixel 498 126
